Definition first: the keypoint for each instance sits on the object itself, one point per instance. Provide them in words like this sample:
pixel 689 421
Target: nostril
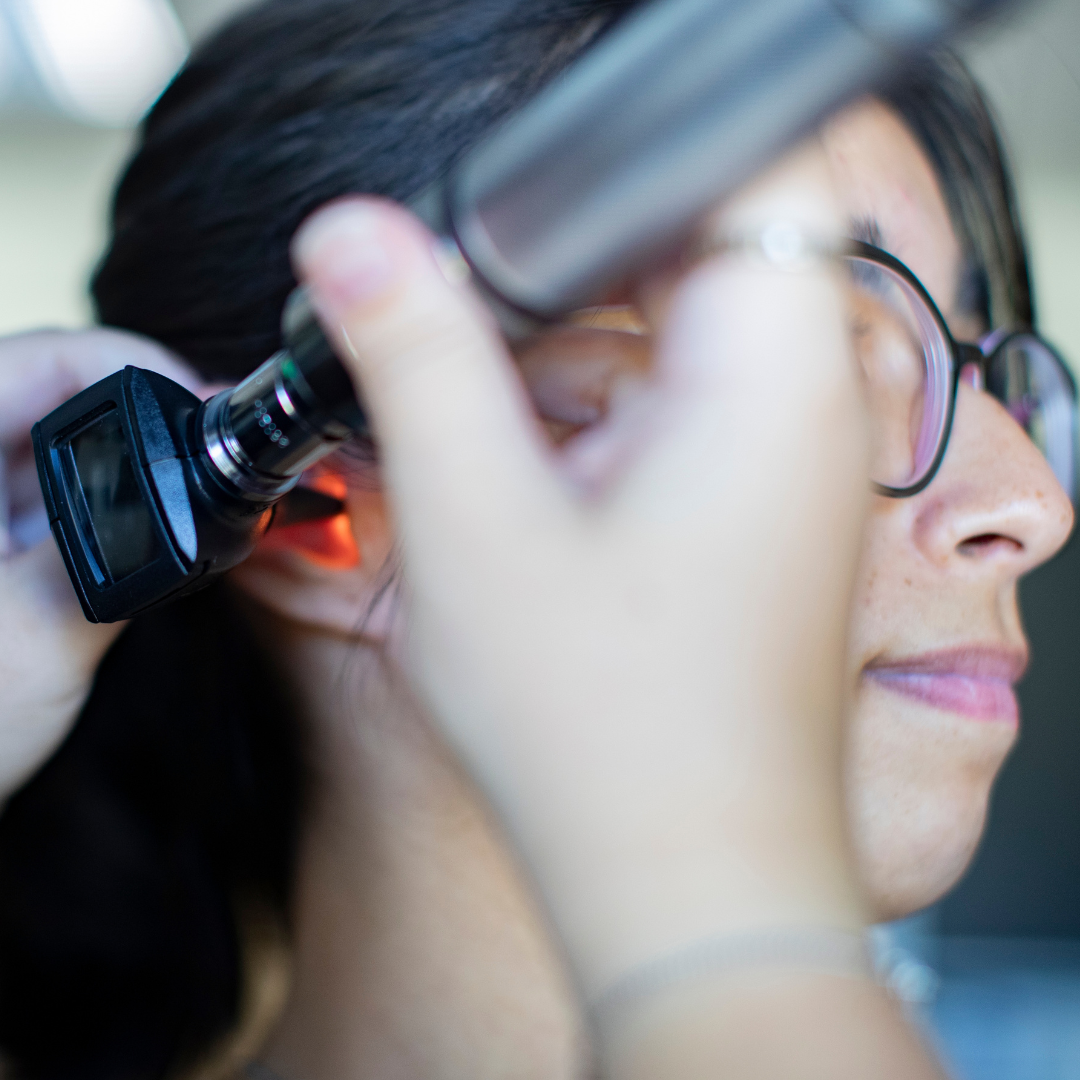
pixel 988 544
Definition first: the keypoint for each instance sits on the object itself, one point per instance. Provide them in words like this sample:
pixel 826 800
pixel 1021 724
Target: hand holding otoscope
pixel 48 652
pixel 646 684
pixel 151 494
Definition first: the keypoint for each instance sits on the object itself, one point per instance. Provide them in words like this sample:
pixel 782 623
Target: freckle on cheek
pixel 907 581
pixel 868 592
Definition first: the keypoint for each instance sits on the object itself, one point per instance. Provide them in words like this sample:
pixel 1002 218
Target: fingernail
pixel 342 254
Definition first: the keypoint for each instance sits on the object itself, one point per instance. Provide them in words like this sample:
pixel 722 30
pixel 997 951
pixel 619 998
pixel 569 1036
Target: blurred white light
pixel 7 59
pixel 103 61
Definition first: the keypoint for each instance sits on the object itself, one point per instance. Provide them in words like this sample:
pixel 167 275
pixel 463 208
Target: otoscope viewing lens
pixel 112 514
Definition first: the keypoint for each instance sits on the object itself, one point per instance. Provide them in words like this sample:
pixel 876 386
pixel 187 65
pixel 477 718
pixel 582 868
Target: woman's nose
pixel 995 504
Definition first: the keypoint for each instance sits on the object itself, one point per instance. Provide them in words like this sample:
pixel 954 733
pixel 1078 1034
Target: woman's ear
pixel 326 541
pixel 332 573
pixel 329 573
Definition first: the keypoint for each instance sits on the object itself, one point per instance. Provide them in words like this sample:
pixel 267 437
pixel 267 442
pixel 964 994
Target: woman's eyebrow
pixel 866 229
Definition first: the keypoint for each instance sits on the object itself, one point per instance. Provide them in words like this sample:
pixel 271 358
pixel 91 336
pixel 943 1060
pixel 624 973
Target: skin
pixel 418 1029
pixel 408 895
pixel 939 570
pixel 419 948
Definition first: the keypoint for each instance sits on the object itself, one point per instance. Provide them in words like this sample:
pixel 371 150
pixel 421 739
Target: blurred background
pixel 75 78
pixel 994 970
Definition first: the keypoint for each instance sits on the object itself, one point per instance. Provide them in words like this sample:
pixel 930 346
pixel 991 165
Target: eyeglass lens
pixel 1028 379
pixel 905 361
pixel 905 358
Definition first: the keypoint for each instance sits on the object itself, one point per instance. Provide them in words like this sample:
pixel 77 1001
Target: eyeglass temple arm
pixel 966 354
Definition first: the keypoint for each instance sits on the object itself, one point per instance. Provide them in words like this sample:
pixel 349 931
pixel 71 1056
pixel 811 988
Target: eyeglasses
pixel 912 366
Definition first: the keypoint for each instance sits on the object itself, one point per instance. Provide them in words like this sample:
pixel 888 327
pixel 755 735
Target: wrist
pixel 768 1022
pixel 618 912
pixel 630 872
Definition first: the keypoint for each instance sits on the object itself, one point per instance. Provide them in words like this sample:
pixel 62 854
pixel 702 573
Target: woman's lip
pixel 974 681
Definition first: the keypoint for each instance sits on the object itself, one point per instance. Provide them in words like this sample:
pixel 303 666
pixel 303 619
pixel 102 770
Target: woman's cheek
pixel 918 786
pixel 918 779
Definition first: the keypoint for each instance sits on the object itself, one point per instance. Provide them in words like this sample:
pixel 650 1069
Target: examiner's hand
pixel 636 643
pixel 643 669
pixel 48 651
pixel 636 640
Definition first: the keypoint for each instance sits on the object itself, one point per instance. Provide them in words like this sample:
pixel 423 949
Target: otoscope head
pixel 286 415
pixel 152 493
pixel 135 513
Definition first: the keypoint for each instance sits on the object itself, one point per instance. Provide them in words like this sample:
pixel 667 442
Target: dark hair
pixel 122 863
pixel 294 104
pixel 172 805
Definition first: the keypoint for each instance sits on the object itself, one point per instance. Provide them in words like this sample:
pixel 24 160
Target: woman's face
pixel 936 637
pixel 936 641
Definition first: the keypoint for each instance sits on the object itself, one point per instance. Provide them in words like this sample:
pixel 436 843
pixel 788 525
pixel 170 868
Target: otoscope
pixel 152 493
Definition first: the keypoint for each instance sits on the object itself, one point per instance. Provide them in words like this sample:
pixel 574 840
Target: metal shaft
pixel 687 99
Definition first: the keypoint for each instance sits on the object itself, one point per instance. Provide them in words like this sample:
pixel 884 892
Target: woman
pixel 402 881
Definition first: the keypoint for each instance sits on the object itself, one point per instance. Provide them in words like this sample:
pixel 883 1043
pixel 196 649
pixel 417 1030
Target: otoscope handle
pixel 685 100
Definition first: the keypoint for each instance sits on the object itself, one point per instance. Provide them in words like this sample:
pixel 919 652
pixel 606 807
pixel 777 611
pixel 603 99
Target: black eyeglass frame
pixel 961 353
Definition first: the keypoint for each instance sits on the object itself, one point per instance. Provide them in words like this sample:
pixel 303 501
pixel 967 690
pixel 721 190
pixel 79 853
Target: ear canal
pixel 328 542
pixel 325 541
